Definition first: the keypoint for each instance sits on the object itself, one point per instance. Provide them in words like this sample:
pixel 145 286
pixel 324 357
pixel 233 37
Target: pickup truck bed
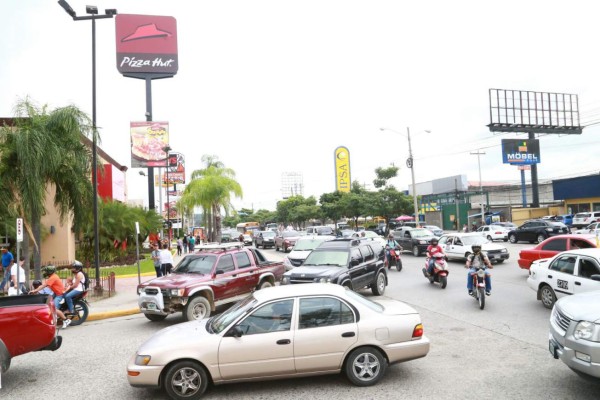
pixel 27 323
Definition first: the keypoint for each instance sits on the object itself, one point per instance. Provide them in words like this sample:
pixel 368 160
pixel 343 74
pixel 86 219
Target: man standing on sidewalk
pixel 7 260
pixel 156 259
pixel 166 260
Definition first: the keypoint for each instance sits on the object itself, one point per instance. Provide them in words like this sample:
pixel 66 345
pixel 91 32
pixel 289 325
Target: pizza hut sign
pixel 146 44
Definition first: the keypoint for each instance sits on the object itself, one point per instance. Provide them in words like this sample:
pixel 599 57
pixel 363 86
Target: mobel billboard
pixel 521 151
pixel 146 44
pixel 342 169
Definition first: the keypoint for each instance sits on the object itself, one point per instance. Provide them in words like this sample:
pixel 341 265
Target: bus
pixel 248 227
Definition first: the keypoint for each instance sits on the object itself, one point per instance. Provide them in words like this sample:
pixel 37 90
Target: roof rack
pixel 220 246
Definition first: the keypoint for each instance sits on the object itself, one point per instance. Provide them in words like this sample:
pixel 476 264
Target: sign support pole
pixel 534 180
pixel 524 188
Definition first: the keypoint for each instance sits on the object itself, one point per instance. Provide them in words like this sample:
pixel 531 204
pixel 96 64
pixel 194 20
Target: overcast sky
pixel 275 86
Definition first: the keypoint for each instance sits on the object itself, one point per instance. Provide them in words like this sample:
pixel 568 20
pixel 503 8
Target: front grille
pixel 301 280
pixel 151 291
pixel 494 251
pixel 560 319
pixel 295 262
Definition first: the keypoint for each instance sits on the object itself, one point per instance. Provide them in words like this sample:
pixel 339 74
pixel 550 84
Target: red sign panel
pixel 146 44
pixel 176 169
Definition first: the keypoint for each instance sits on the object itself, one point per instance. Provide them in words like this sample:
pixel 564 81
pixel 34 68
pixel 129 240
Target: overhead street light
pixel 410 163
pixel 93 11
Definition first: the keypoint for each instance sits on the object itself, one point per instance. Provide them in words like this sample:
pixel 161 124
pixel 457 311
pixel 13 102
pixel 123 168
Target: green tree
pixel 43 155
pixel 383 175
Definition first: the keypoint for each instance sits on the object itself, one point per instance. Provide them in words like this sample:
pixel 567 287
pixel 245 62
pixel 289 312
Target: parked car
pixel 505 224
pixel 369 235
pixel 352 263
pixel 27 323
pixel 285 240
pixel 575 333
pixel 414 240
pixel 457 246
pixel 583 219
pixel 494 232
pixel 302 249
pixel 214 275
pixel 320 230
pixel 591 228
pixel 569 272
pixel 554 245
pixel 346 233
pixel 282 332
pixel 247 239
pixel 537 230
pixel 265 239
pixel 437 231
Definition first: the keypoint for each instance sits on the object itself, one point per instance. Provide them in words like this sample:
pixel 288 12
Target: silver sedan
pixel 284 331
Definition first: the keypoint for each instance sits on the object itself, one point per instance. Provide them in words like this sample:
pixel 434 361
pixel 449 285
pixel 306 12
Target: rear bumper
pixel 406 351
pixel 524 264
pixel 55 344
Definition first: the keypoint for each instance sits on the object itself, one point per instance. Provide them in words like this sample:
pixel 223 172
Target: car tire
pixel 183 374
pixel 365 366
pixel 541 238
pixel 196 309
pixel 378 287
pixel 547 296
pixel 415 250
pixel 499 261
pixel 155 317
pixel 347 285
pixel 506 240
pixel 489 237
pixel 513 238
pixel 264 284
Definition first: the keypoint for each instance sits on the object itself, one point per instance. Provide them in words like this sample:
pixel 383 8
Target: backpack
pixel 86 282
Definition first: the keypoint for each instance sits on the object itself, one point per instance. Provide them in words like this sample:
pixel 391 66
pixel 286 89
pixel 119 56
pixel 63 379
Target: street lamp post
pixel 109 13
pixel 478 154
pixel 410 163
pixel 167 149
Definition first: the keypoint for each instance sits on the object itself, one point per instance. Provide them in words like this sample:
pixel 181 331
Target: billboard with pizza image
pixel 148 140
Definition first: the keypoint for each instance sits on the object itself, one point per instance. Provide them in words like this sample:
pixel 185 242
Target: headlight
pixel 176 292
pixel 549 229
pixel 504 251
pixel 322 280
pixel 142 360
pixel 285 280
pixel 287 262
pixel 422 241
pixel 140 290
pixel 586 330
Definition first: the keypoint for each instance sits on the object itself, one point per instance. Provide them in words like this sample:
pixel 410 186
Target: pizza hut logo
pixel 146 44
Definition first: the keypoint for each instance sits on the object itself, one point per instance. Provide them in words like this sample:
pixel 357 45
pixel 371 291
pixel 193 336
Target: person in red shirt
pixel 53 282
pixel 432 249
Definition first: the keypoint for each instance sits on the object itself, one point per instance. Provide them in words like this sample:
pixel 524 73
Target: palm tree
pixel 44 150
pixel 211 188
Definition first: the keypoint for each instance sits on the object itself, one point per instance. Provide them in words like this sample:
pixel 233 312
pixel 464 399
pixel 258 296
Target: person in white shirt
pixel 18 269
pixel 166 260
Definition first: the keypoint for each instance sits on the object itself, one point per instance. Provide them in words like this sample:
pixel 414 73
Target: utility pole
pixel 478 154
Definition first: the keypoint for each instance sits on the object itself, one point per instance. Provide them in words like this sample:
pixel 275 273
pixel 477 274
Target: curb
pixel 112 314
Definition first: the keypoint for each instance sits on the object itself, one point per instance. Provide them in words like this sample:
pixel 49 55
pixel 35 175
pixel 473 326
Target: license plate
pixel 151 306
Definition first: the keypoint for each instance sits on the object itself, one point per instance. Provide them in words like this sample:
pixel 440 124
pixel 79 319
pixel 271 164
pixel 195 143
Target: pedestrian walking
pixel 7 261
pixel 179 246
pixel 166 260
pixel 185 243
pixel 191 243
pixel 156 259
pixel 17 274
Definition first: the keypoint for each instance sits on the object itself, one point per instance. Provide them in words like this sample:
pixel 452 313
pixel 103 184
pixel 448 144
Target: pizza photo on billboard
pixel 148 140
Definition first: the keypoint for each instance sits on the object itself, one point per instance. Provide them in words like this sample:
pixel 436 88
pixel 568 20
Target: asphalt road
pixel 500 352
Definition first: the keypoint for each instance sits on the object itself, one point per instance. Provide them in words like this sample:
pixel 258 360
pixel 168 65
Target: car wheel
pixel 506 240
pixel 378 287
pixel 347 285
pixel 513 238
pixel 547 296
pixel 499 261
pixel 541 238
pixel 490 238
pixel 265 284
pixel 196 309
pixel 155 317
pixel 416 252
pixel 365 366
pixel 186 380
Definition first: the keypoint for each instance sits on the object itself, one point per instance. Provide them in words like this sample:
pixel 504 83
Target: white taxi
pixel 569 272
pixel 494 232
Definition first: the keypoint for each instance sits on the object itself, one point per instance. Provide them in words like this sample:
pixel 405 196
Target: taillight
pixel 418 331
pixel 45 315
pixel 498 233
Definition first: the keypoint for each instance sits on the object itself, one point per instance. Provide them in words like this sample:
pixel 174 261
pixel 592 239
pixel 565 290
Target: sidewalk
pixel 124 302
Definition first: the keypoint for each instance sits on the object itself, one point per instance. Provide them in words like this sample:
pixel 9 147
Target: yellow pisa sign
pixel 342 169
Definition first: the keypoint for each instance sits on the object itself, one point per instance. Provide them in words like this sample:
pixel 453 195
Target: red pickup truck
pixel 214 275
pixel 27 323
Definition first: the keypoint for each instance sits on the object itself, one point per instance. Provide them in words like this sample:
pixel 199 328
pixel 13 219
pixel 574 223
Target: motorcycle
pixel 440 271
pixel 394 257
pixel 81 309
pixel 479 286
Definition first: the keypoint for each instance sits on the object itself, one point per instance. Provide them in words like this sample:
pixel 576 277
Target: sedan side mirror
pixel 236 331
pixel 595 277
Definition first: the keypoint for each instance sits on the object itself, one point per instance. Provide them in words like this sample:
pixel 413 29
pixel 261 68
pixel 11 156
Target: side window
pixel 588 267
pixel 324 311
pixel 581 244
pixel 367 253
pixel 556 245
pixel 225 263
pixel 564 264
pixel 355 256
pixel 259 256
pixel 443 240
pixel 242 259
pixel 273 317
pixel 527 225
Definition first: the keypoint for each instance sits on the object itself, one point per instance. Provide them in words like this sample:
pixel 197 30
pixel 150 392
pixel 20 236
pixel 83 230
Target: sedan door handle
pixel 578 283
pixel 284 341
pixel 348 334
pixel 549 276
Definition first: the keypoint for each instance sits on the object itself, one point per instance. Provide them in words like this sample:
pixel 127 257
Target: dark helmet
pixel 434 241
pixel 48 270
pixel 77 265
pixel 36 284
pixel 476 248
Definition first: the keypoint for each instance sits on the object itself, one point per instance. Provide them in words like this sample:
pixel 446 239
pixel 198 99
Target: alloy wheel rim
pixel 381 283
pixel 199 311
pixel 186 382
pixel 546 297
pixel 366 367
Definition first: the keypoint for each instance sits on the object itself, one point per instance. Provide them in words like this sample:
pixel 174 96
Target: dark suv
pixel 352 263
pixel 537 230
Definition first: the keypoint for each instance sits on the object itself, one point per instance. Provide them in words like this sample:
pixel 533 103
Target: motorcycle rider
pixel 432 249
pixel 54 283
pixel 76 288
pixel 391 244
pixel 475 260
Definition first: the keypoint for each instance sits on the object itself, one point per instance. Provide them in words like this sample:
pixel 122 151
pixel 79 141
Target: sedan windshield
pixel 308 244
pixel 289 234
pixel 222 321
pixel 418 233
pixel 268 234
pixel 202 264
pixel 328 258
pixel 471 240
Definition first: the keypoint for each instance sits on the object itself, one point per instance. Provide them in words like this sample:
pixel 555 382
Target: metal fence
pixel 104 288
